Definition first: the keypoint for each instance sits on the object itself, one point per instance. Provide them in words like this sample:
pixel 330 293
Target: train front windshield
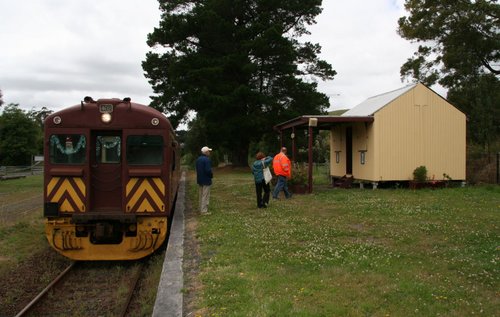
pixel 145 150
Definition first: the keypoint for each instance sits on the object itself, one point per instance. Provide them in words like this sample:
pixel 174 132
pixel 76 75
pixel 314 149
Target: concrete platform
pixel 169 297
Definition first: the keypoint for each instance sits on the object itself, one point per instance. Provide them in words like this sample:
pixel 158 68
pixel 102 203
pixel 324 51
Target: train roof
pixel 121 113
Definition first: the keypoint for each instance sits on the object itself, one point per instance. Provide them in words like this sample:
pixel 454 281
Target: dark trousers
pixel 262 201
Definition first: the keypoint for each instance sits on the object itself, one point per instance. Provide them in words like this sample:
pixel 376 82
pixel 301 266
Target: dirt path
pixel 23 282
pixel 191 264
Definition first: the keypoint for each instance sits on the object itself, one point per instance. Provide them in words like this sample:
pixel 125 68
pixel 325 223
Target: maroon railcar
pixel 111 177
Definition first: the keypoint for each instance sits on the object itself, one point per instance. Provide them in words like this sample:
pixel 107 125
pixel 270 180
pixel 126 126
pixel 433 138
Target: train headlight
pixel 57 120
pixel 155 121
pixel 106 117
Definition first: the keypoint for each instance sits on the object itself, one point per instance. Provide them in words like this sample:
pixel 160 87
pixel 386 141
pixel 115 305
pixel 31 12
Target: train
pixel 111 176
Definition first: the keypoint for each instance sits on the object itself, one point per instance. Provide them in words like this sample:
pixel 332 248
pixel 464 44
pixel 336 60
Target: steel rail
pixel 132 289
pixel 45 290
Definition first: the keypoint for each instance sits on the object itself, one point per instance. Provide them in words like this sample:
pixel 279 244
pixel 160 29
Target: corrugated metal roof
pixel 375 103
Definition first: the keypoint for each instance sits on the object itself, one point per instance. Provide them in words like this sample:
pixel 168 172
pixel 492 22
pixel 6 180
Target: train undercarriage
pixel 106 237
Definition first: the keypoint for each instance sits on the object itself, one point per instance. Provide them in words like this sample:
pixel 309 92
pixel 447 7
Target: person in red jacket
pixel 283 169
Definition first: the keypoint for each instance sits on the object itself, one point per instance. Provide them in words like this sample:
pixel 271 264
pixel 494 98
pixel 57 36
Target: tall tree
pixel 38 117
pixel 480 99
pixel 237 64
pixel 460 39
pixel 1 99
pixel 18 136
pixel 460 49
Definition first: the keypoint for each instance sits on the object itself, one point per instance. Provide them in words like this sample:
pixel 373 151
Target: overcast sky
pixel 55 52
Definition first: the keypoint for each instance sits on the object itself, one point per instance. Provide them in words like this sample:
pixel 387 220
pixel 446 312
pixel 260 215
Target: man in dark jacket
pixel 204 178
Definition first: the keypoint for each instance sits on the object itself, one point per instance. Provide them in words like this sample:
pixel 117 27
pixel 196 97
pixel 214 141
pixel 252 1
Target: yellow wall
pixel 418 128
pixel 337 143
pixel 363 141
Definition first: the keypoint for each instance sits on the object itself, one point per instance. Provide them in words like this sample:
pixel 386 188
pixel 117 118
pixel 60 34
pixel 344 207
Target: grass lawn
pixel 349 252
pixel 21 219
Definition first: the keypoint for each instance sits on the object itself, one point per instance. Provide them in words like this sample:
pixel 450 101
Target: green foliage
pixel 39 116
pixel 19 136
pixel 460 50
pixel 420 174
pixel 238 65
pixel 299 174
pixel 460 39
pixel 479 98
pixel 262 146
pixel 321 147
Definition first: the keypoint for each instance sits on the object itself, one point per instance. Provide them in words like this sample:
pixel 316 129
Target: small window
pixel 362 157
pixel 145 150
pixel 108 149
pixel 337 157
pixel 67 148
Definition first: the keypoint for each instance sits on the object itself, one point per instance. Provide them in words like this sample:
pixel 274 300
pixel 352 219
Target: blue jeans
pixel 281 185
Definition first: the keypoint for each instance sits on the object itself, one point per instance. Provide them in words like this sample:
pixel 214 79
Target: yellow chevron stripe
pixel 52 183
pixel 154 195
pixel 81 185
pixel 66 206
pixel 160 185
pixel 145 187
pixel 131 183
pixel 67 187
pixel 158 201
pixel 145 206
pixel 76 199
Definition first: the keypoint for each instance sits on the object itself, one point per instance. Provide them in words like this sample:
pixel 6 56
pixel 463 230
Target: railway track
pixel 131 289
pixel 37 298
pixel 77 289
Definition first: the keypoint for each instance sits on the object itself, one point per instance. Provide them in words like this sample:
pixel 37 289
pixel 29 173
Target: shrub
pixel 420 174
pixel 299 174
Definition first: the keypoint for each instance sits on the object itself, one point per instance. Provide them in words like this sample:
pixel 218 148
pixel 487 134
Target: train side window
pixel 108 149
pixel 145 150
pixel 67 148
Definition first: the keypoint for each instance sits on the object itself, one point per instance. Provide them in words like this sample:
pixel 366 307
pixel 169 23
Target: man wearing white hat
pixel 204 178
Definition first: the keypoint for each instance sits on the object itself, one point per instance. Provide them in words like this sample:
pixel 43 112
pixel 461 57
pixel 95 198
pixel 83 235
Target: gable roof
pixel 375 103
